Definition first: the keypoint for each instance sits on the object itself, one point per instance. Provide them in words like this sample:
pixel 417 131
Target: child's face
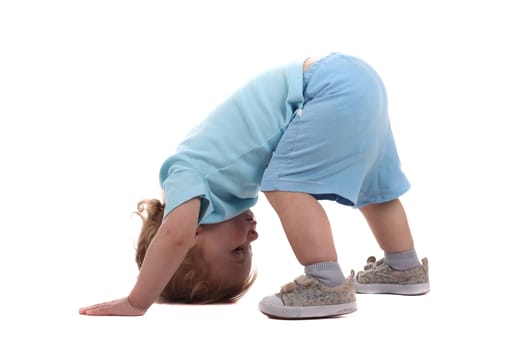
pixel 226 247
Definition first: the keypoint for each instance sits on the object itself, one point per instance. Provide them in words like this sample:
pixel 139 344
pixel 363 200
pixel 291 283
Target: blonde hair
pixel 191 283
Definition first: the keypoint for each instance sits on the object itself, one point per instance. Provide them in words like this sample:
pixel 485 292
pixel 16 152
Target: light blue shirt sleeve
pixel 182 185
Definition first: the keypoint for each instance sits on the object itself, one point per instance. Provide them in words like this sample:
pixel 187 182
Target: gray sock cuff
pixel 402 260
pixel 322 266
pixel 329 273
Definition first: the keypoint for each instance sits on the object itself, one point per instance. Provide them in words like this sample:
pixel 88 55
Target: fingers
pixel 119 307
pixel 102 311
pixel 91 312
pixel 97 309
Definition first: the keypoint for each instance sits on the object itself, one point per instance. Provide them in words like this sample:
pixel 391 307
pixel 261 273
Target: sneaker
pixel 306 297
pixel 379 277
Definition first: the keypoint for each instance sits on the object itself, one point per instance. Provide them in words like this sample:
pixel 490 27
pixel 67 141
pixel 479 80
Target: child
pixel 299 133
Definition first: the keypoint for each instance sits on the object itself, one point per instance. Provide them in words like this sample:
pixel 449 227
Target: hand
pixel 119 307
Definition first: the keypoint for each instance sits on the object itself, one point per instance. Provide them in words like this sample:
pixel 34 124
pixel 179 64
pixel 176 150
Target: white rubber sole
pixel 388 288
pixel 272 306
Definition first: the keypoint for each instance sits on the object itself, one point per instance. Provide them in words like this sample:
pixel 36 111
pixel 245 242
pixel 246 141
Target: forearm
pixel 161 262
pixel 168 249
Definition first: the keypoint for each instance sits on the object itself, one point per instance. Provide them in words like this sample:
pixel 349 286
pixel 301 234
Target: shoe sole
pixel 388 288
pixel 303 312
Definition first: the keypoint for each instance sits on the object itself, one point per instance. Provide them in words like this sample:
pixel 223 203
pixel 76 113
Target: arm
pixel 169 247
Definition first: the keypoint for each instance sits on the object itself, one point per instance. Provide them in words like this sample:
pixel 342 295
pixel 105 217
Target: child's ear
pixel 199 235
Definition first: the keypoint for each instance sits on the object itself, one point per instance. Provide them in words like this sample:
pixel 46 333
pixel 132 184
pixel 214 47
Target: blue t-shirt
pixel 223 159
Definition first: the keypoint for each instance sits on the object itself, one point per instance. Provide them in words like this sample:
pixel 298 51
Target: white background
pixel 94 95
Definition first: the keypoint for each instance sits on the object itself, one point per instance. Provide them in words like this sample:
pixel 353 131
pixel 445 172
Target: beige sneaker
pixel 306 297
pixel 379 278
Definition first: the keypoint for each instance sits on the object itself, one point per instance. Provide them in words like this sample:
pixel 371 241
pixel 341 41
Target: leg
pixel 400 272
pixel 389 225
pixel 306 226
pixel 309 233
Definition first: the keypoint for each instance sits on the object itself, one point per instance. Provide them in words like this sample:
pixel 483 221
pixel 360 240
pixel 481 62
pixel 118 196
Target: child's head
pixel 218 268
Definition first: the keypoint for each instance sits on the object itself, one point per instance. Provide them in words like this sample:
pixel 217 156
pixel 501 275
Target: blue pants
pixel 340 145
